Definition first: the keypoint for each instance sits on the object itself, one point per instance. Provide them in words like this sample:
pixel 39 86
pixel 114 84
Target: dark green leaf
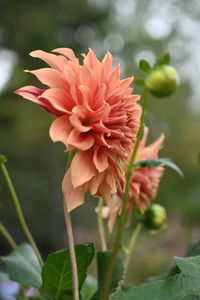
pixel 173 271
pixel 103 259
pixel 23 266
pixel 3 159
pixel 139 81
pixel 164 60
pixel 89 287
pixel 56 273
pixel 152 163
pixel 181 286
pixel 144 66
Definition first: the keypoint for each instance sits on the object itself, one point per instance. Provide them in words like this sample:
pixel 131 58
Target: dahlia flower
pixel 144 182
pixel 95 113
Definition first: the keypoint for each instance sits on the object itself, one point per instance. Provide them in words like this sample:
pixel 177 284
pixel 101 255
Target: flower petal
pixel 34 94
pixel 152 150
pixel 100 159
pixel 54 61
pixel 80 140
pixel 73 197
pixel 107 63
pixel 31 93
pixel 60 130
pixel 82 168
pixel 50 77
pixel 95 183
pixel 69 53
pixel 59 99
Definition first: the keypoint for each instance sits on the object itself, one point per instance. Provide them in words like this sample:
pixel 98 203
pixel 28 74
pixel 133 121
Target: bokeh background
pixel 131 30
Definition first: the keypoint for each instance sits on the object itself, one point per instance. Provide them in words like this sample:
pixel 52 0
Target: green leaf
pixel 144 66
pixel 189 264
pixel 23 266
pixel 89 287
pixel 152 163
pixel 182 286
pixel 3 159
pixel 56 273
pixel 103 259
pixel 164 60
pixel 139 81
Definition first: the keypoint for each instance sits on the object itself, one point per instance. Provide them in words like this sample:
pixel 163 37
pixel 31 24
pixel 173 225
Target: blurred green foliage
pixel 131 30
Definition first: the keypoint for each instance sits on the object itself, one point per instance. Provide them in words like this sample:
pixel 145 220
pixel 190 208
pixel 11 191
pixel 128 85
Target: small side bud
pixel 155 217
pixel 162 81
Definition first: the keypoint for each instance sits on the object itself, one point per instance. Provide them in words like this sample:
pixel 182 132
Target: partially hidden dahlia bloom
pixel 96 114
pixel 144 182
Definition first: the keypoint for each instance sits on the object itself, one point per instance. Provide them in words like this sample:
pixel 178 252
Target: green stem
pixel 74 270
pixel 131 246
pixel 101 226
pixel 19 212
pixel 8 236
pixel 122 221
pixel 73 262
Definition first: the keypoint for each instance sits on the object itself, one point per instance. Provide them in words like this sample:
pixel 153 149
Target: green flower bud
pixel 162 81
pixel 155 217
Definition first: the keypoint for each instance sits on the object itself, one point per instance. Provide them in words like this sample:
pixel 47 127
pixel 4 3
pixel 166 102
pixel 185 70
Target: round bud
pixel 162 81
pixel 155 217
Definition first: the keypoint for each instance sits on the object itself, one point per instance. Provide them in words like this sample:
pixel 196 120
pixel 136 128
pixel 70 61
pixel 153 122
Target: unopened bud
pixel 162 81
pixel 155 217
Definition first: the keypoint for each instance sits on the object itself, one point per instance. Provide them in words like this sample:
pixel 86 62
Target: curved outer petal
pixel 50 77
pixel 82 168
pixel 59 99
pixel 80 140
pixel 31 93
pixel 73 197
pixel 69 53
pixel 34 94
pixel 152 150
pixel 100 159
pixel 60 129
pixel 52 60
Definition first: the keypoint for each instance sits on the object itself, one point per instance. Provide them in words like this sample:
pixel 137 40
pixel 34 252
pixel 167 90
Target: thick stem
pixel 19 212
pixel 131 246
pixel 75 284
pixel 101 226
pixel 108 276
pixel 8 236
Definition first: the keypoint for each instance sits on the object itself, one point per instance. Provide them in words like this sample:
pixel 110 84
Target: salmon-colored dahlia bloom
pixel 96 114
pixel 144 183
